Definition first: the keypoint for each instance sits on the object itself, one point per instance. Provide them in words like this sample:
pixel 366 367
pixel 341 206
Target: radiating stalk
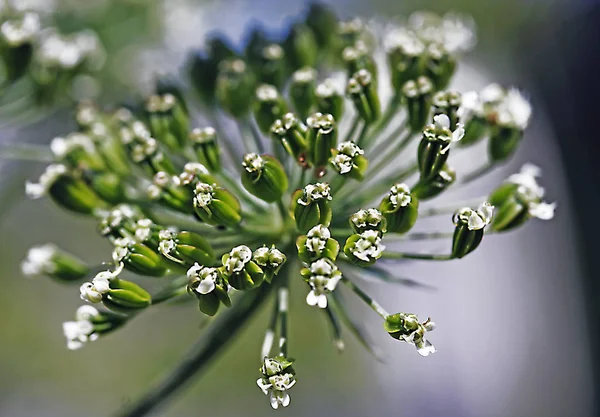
pixel 366 298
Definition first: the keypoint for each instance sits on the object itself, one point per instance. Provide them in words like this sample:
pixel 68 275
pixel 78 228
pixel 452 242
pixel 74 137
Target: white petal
pixel 285 399
pixel 311 298
pixel 74 344
pixel 263 386
pixel 475 222
pixel 458 134
pixel 274 401
pixel 441 121
pixel 426 348
pixel 206 286
pixel 322 301
pixel 543 211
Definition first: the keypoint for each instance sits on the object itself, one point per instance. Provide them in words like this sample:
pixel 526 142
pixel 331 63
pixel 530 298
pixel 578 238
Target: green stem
pixel 176 288
pixel 282 309
pixel 26 152
pixel 420 256
pixel 366 298
pixel 231 150
pixel 336 328
pixel 224 328
pixel 389 154
pixel 420 236
pixel 362 136
pixel 386 118
pixel 353 129
pixel 283 211
pixel 478 173
pixel 270 333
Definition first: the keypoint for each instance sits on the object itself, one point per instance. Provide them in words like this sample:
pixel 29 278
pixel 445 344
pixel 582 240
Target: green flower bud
pixel 17 39
pixel 144 150
pixel 418 95
pixel 317 244
pixel 168 120
pixel 269 106
pixel 503 142
pixel 56 263
pixel 290 131
pixel 448 103
pixel 66 189
pixel 235 87
pixel 138 258
pixel 89 325
pixel 216 206
pixel 108 186
pixel 311 206
pixel 185 248
pixel 119 221
pixel 365 248
pixel 406 327
pixel 302 90
pixel 472 113
pixel 400 209
pixel 370 219
pixel 348 159
pixel 300 47
pixel 169 85
pixel 405 52
pixel 322 276
pixel 204 142
pixel 440 65
pixel 78 151
pixel 168 190
pixel 209 287
pixel 264 177
pixel 322 20
pixel 435 186
pixel 321 137
pixel 278 376
pixel 271 69
pixel 356 57
pixel 126 297
pixel 270 261
pixel 329 100
pixel 470 225
pixel 240 270
pixel 434 148
pixel 518 199
pixel 362 89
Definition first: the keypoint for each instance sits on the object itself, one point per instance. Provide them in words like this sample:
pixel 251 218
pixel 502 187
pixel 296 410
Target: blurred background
pixel 517 320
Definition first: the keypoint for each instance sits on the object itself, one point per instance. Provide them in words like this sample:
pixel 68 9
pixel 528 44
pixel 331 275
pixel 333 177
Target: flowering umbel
pixel 308 178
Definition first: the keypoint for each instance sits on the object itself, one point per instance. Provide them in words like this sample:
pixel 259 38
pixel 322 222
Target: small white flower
pixel 47 179
pixel 191 170
pixel 515 110
pixel 39 260
pixel 276 387
pixel 78 333
pixel 400 195
pixel 18 32
pixel 481 217
pixel 369 246
pixel 324 279
pixel 531 192
pixel 266 92
pixel 203 195
pixel 542 211
pixel 100 285
pixel 315 192
pixel 206 278
pixel 238 258
pixel 342 163
pixel 253 163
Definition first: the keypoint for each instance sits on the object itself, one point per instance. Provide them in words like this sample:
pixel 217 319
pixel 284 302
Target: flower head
pixel 278 377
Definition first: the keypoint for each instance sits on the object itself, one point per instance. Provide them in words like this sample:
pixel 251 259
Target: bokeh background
pixel 517 320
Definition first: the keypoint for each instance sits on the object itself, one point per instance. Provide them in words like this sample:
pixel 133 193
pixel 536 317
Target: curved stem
pixel 200 355
pixel 366 298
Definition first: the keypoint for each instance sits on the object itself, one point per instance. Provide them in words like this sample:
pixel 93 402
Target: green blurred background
pixel 513 338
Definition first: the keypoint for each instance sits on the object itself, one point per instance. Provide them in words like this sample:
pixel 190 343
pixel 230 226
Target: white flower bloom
pixel 78 333
pixel 481 217
pixel 206 278
pixel 400 195
pixel 342 163
pixel 191 170
pixel 61 147
pixel 238 258
pixel 100 285
pixel 86 312
pixel 19 32
pixel 47 179
pixel 266 92
pixel 515 110
pixel 324 279
pixel 364 218
pixel 369 246
pixel 203 195
pixel 317 238
pixel 471 106
pixel 39 260
pixel 527 178
pixel 454 33
pixel 543 211
pixel 315 192
pixel 253 162
pixel 492 94
pixel 276 387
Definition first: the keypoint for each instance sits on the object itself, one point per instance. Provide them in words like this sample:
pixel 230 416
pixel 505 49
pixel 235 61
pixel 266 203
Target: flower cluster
pixel 230 220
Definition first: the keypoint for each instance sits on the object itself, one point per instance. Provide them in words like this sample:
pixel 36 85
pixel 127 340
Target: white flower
pixel 276 387
pixel 543 211
pixel 369 246
pixel 324 279
pixel 238 258
pixel 266 92
pixel 47 179
pixel 78 333
pixel 342 163
pixel 39 260
pixel 315 192
pixel 405 41
pixel 481 217
pixel 530 191
pixel 207 278
pixel 471 105
pixel 363 218
pixel 191 170
pixel 100 285
pixel 442 122
pixel 253 163
pixel 454 33
pixel 203 195
pixel 61 147
pixel 18 32
pixel 515 110
pixel 400 195
pixel 317 238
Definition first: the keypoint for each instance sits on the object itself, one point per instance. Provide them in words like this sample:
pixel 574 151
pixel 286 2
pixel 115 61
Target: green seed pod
pixel 291 132
pixel 264 177
pixel 144 150
pixel 322 20
pixel 54 262
pixel 140 259
pixel 400 209
pixel 302 90
pixel 311 206
pixel 209 287
pixel 109 187
pixel 434 148
pixel 405 52
pixel 329 100
pixel 472 114
pixel 448 103
pixel 435 186
pixel 17 40
pixel 362 89
pixel 235 87
pixel 356 58
pixel 272 65
pixel 67 190
pixel 300 47
pixel 348 159
pixel 321 138
pixel 168 121
pixel 185 248
pixel 317 244
pixel 126 297
pixel 370 219
pixel 270 261
pixel 269 106
pixel 469 227
pixel 240 270
pixel 503 142
pixel 78 150
pixel 439 65
pixel 418 95
pixel 216 206
pixel 204 142
pixel 168 190
pixel 364 249
pixel 406 327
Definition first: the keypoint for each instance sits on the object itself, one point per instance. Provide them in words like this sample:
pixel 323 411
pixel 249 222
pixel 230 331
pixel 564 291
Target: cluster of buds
pixel 232 222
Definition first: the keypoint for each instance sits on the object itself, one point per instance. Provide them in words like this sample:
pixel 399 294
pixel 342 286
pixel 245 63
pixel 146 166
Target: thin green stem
pixel 223 329
pixel 336 328
pixel 231 150
pixel 389 154
pixel 283 211
pixel 419 256
pixel 436 211
pixel 267 345
pixel 353 129
pixel 419 236
pixel 386 118
pixel 256 135
pixel 366 298
pixel 176 288
pixel 478 173
pixel 282 308
pixel 26 152
pixel 362 136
